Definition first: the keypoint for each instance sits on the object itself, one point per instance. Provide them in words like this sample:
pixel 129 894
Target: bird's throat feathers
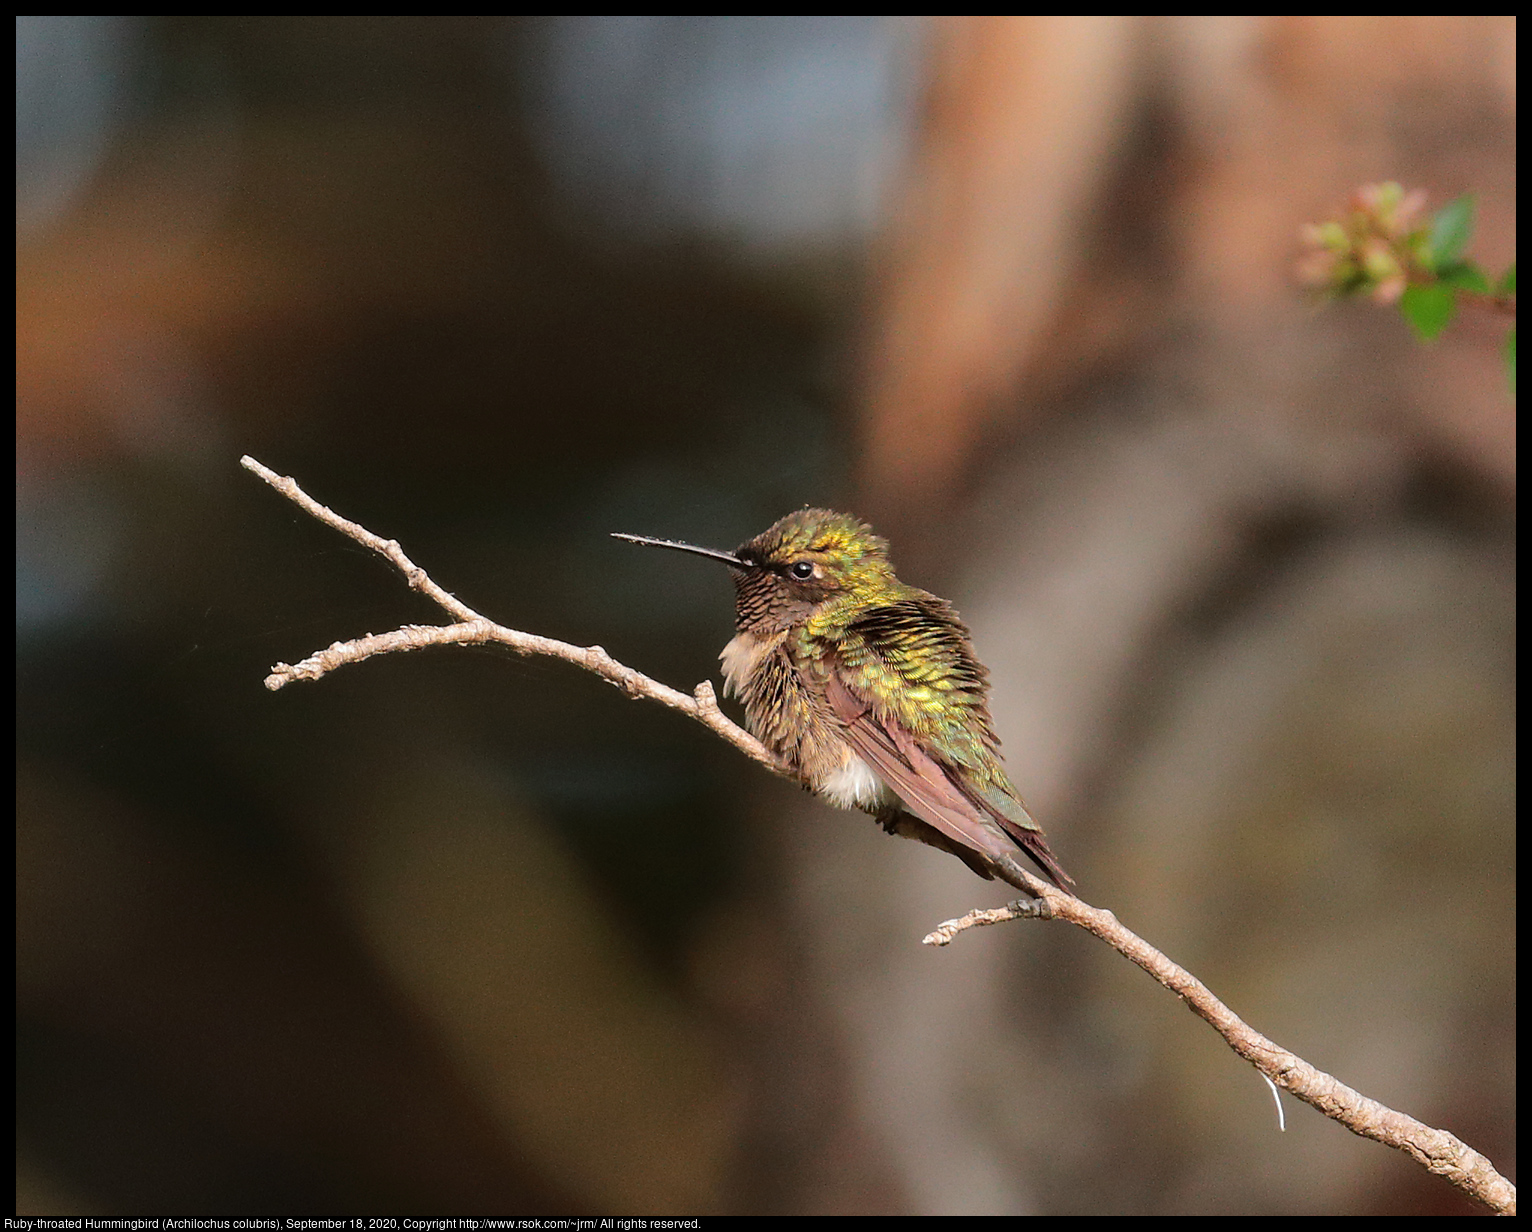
pixel 742 657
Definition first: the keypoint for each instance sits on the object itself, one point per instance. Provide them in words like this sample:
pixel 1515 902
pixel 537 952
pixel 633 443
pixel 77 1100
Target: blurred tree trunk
pixel 1243 577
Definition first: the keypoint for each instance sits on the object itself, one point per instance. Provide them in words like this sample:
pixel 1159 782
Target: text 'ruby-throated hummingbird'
pixel 869 691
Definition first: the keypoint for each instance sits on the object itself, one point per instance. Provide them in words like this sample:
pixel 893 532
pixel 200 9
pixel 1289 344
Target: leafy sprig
pixel 1384 247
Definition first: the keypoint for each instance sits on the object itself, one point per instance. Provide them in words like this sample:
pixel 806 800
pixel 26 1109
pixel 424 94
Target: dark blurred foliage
pixel 327 242
pixel 455 932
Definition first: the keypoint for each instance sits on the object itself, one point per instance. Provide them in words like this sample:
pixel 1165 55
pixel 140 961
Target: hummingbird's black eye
pixel 802 569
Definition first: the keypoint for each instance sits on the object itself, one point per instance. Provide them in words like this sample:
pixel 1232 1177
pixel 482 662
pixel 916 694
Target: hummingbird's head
pixel 797 565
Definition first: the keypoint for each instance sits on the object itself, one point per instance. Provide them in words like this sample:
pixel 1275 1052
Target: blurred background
pixel 456 933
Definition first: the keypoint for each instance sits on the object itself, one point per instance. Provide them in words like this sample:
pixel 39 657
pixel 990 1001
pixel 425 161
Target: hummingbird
pixel 869 692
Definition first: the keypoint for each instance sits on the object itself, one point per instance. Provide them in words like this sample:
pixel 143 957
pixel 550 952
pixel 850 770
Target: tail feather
pixel 1036 846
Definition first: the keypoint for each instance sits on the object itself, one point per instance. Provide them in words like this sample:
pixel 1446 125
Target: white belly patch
pixel 856 785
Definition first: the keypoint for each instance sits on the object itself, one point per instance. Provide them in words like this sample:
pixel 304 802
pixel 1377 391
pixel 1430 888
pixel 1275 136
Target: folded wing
pixel 932 790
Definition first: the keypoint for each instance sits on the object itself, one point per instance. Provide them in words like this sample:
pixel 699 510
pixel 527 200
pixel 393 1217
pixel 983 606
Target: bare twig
pixel 1434 1149
pixel 701 704
pixel 1501 305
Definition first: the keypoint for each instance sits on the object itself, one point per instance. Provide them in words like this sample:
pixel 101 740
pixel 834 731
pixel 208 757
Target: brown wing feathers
pixel 926 788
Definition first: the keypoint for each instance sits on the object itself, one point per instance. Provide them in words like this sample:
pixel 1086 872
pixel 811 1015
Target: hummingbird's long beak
pixel 728 558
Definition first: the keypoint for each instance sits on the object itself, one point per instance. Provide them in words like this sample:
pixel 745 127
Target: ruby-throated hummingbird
pixel 868 690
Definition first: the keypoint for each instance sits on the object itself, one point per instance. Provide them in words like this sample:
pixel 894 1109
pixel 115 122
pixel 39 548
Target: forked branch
pixel 1434 1149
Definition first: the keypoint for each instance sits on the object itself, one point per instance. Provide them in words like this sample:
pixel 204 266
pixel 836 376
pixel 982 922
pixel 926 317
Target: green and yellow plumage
pixel 869 691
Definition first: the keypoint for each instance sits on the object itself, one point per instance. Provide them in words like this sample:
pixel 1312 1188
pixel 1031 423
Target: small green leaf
pixel 1465 276
pixel 1510 359
pixel 1508 283
pixel 1451 229
pixel 1428 309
